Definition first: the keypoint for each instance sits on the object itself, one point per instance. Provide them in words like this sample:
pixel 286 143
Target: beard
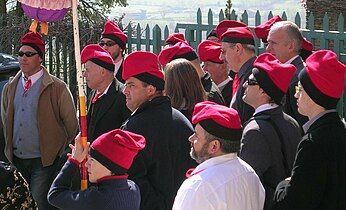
pixel 200 156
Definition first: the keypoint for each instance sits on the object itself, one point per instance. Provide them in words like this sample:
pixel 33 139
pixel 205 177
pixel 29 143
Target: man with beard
pixel 113 40
pixel 222 180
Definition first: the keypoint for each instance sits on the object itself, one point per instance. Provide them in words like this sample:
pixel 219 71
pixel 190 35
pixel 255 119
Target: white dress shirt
pixel 220 183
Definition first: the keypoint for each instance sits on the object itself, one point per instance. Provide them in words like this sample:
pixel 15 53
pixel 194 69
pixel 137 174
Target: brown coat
pixel 56 117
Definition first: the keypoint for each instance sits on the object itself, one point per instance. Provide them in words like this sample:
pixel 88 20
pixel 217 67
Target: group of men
pixel 270 138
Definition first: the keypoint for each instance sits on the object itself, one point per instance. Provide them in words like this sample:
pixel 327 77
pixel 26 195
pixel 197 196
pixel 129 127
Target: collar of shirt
pixel 292 59
pixel 214 161
pixel 265 107
pixel 106 90
pixel 224 83
pixel 307 125
pixel 117 66
pixel 33 77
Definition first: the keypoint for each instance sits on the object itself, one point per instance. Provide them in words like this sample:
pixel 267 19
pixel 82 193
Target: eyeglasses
pixel 108 44
pixel 251 82
pixel 299 88
pixel 27 54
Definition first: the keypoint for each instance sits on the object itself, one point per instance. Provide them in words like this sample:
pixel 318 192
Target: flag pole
pixel 81 92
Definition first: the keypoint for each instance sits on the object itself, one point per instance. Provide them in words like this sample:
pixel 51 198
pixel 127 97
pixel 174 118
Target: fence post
pixel 147 38
pixel 297 20
pixel 129 40
pixel 156 39
pixel 138 30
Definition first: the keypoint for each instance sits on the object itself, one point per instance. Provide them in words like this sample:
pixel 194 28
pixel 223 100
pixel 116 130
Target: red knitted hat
pixel 145 67
pixel 116 149
pixel 238 35
pixel 323 79
pixel 218 120
pixel 96 54
pixel 112 31
pixel 35 41
pixel 262 30
pixel 224 25
pixel 273 76
pixel 179 50
pixel 210 51
pixel 174 38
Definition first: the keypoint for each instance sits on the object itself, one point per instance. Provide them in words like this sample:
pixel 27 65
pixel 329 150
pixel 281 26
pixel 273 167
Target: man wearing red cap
pixel 238 50
pixel 39 118
pixel 209 52
pixel 160 168
pixel 318 176
pixel 110 156
pixel 107 108
pixel 284 42
pixel 221 180
pixel 183 50
pixel 270 137
pixel 113 40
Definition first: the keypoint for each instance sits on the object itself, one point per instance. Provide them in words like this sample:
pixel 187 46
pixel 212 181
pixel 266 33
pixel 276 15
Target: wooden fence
pixel 59 57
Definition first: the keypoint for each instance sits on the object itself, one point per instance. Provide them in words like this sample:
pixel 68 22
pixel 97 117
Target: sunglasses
pixel 251 82
pixel 108 44
pixel 27 54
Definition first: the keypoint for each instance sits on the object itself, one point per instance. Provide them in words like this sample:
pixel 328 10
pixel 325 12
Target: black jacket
pixel 108 113
pixel 119 75
pixel 109 194
pixel 289 101
pixel 226 93
pixel 318 179
pixel 160 168
pixel 263 151
pixel 245 111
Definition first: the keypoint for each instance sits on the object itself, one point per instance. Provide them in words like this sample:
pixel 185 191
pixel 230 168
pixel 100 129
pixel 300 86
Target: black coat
pixel 213 93
pixel 119 74
pixel 289 101
pixel 245 111
pixel 226 93
pixel 109 194
pixel 160 168
pixel 318 179
pixel 108 113
pixel 263 151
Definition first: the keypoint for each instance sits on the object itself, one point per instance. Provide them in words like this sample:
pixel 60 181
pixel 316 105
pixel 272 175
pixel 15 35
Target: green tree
pixel 228 9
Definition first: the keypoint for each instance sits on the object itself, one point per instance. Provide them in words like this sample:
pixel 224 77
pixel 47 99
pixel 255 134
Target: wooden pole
pixel 81 92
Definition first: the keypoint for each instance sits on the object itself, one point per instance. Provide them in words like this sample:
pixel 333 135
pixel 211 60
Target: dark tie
pixel 27 85
pixel 235 84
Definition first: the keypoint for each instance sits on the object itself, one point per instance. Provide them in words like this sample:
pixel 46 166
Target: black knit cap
pixel 268 85
pixel 151 80
pixel 314 93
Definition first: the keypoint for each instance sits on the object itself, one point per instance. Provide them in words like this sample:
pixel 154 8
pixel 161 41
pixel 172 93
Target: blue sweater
pixel 108 194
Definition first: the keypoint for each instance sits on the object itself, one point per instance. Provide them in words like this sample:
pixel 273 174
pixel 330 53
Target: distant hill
pixel 170 12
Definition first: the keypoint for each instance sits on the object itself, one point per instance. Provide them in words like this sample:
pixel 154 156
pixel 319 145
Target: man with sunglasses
pixel 39 118
pixel 318 179
pixel 270 137
pixel 113 40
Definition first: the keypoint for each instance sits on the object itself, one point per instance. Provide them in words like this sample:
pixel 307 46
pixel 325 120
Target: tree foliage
pixel 228 9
